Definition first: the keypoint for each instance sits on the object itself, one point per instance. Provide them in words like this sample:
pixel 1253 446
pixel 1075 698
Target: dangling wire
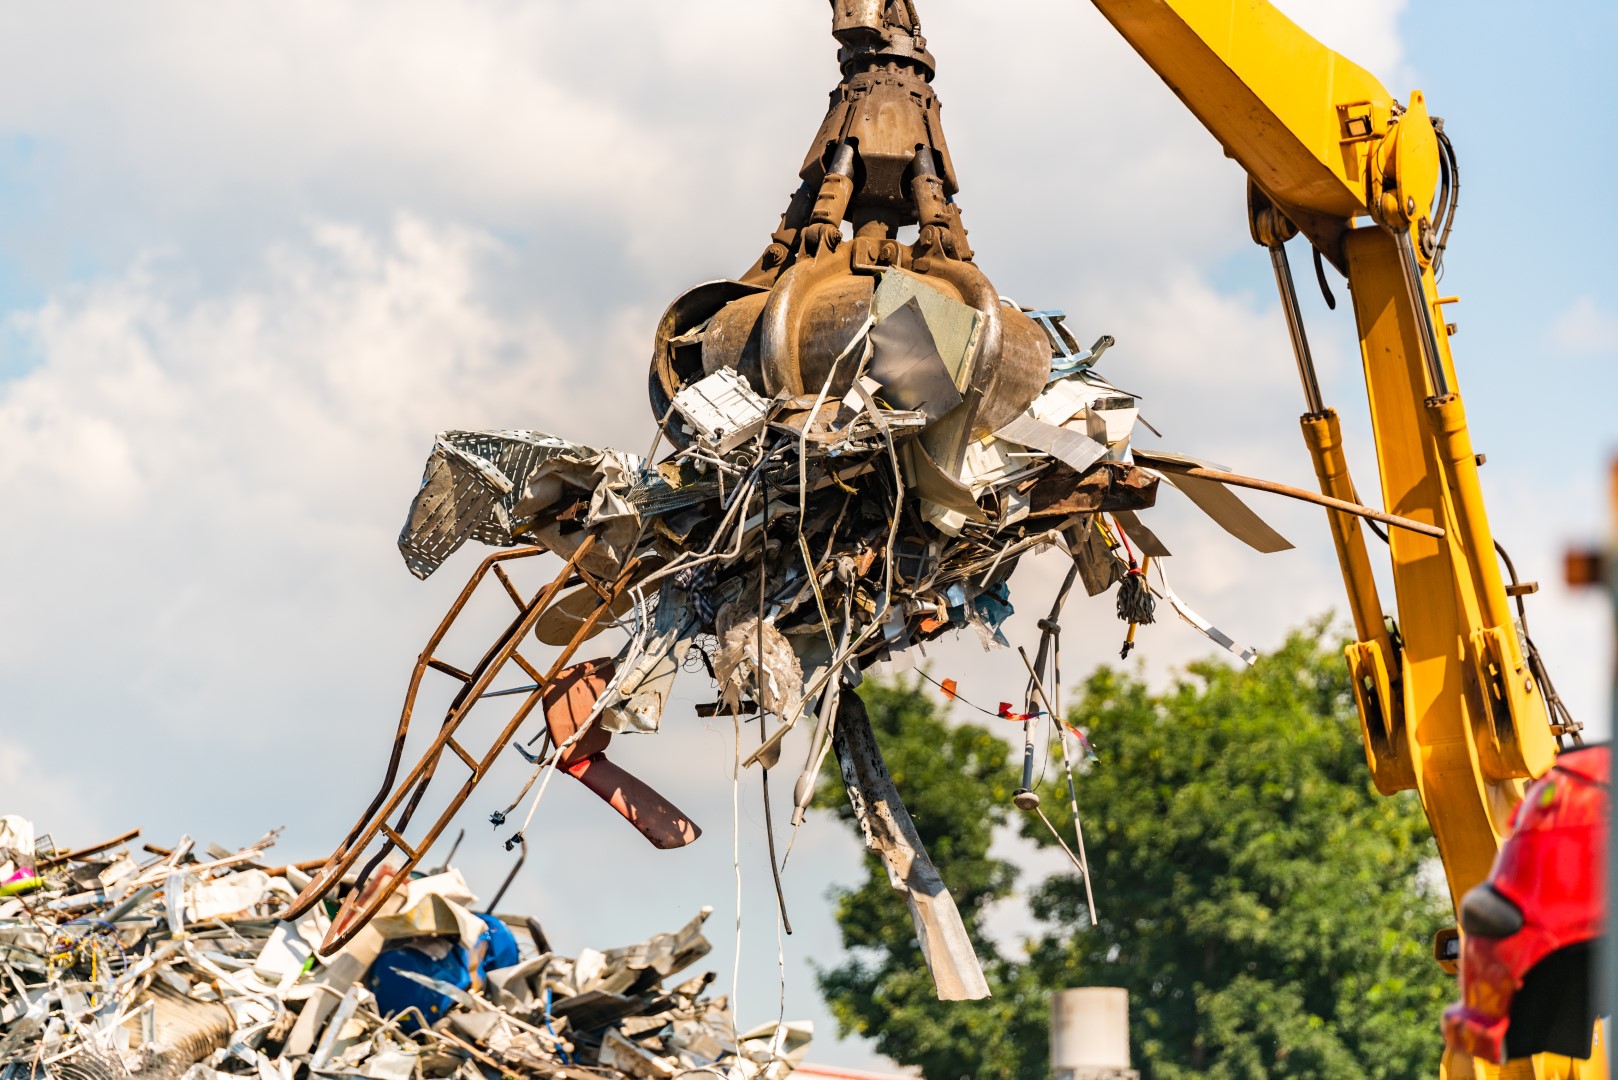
pixel 1562 723
pixel 1080 862
pixel 736 866
pixel 763 716
pixel 1072 788
pixel 955 695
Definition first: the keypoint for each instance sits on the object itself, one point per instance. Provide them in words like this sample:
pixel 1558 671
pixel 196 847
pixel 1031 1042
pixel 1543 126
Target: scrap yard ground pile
pixel 173 963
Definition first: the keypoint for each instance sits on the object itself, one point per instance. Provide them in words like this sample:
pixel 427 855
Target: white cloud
pixel 33 787
pixel 1586 329
pixel 1368 36
pixel 215 469
pixel 676 130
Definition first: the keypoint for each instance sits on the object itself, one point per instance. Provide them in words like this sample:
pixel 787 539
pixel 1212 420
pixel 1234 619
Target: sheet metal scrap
pixel 116 964
pixel 866 439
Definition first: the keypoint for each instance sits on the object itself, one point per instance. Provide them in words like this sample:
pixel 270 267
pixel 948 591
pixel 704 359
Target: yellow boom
pixel 1449 705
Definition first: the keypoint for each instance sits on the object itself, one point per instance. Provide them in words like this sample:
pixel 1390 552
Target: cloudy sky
pixel 252 256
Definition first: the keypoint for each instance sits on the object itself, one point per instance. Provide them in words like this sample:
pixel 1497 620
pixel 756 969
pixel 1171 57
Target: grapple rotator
pixel 878 163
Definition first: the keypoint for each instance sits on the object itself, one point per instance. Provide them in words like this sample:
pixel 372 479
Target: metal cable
pixel 763 715
pixel 1561 716
pixel 1450 170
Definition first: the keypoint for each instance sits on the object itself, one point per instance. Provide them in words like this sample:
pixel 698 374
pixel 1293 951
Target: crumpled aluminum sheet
pixel 478 485
pixel 779 686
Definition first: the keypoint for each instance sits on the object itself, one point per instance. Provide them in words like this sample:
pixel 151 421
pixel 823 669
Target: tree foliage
pixel 1261 903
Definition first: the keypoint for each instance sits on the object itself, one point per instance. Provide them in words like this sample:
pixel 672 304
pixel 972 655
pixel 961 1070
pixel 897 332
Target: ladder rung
pixel 591 580
pixel 449 669
pixel 399 841
pixel 529 669
pixel 511 590
pixel 460 751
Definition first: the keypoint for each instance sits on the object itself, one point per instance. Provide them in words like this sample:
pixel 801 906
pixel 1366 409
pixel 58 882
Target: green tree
pixel 1261 903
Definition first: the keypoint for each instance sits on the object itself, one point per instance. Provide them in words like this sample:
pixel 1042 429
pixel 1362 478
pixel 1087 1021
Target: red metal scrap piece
pixel 568 701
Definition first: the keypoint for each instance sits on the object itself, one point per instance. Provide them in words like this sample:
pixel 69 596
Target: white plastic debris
pixel 723 410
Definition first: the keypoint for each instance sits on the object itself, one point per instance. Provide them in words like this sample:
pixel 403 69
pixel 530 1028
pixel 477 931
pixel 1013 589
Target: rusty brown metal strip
pixel 69 856
pixel 352 916
pixel 528 669
pixel 400 842
pixel 414 785
pixel 460 752
pixel 595 584
pixel 1304 495
pixel 511 590
pixel 449 669
pixel 396 755
pixel 302 867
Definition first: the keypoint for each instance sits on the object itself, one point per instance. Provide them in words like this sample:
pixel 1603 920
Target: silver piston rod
pixel 1300 341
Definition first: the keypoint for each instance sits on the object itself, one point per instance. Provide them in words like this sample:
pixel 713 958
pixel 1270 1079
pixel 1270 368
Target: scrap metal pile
pixel 864 438
pixel 170 963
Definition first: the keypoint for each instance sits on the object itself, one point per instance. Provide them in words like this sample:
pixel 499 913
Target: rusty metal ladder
pixel 395 804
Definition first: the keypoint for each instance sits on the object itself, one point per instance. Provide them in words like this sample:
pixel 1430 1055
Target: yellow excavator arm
pixel 1449 702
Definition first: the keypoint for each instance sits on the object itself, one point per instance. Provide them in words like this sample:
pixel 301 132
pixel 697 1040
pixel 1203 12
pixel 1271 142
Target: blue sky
pixel 253 256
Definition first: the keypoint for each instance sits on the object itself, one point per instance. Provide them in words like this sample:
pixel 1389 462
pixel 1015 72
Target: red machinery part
pixel 1531 930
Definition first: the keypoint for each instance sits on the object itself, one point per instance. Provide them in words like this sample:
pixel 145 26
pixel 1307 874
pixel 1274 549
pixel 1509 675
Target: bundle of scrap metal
pixel 172 962
pixel 786 543
pixel 820 524
pixel 843 526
